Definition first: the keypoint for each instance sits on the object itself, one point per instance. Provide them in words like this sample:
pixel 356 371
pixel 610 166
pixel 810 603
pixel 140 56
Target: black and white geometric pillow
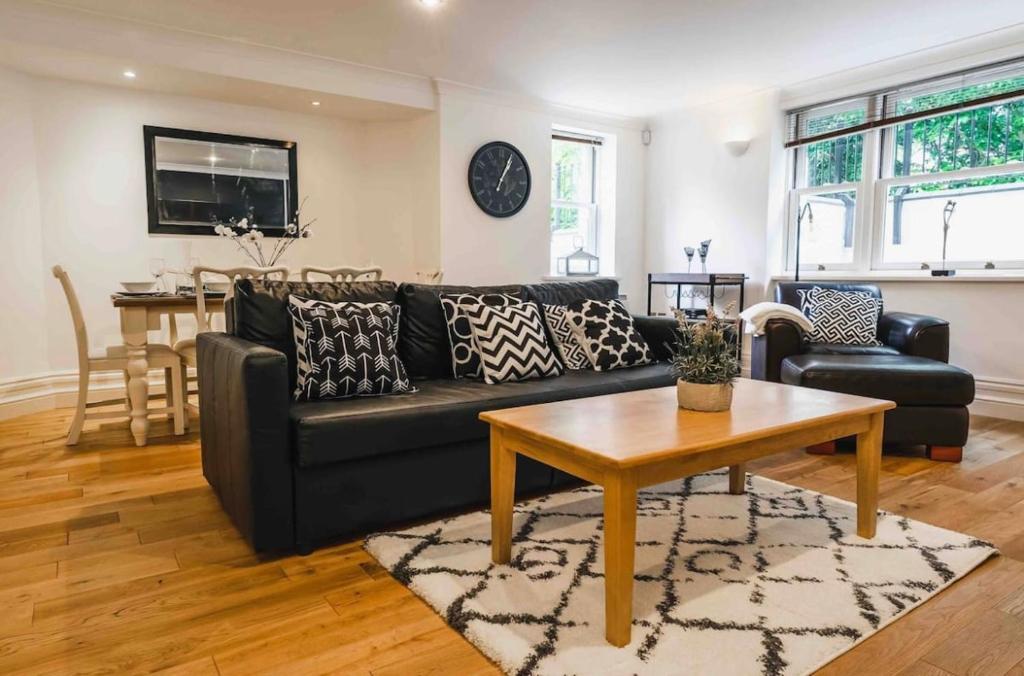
pixel 511 343
pixel 605 330
pixel 302 365
pixel 843 317
pixel 804 300
pixel 573 355
pixel 465 358
pixel 345 349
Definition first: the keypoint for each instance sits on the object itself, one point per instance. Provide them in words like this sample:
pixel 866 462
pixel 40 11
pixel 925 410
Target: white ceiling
pixel 628 57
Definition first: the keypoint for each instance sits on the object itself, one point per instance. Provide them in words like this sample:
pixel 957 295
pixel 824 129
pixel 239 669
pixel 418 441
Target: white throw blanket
pixel 756 316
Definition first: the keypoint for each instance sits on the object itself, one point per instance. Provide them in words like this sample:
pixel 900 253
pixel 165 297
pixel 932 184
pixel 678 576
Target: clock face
pixel 499 179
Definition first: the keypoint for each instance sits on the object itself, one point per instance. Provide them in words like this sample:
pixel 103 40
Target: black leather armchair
pixel 910 367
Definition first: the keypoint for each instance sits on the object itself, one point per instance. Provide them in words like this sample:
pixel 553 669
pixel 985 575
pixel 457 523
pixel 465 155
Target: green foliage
pixel 703 354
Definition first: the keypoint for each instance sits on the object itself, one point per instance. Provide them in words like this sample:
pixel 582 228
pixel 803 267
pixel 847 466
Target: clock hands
pixel 503 173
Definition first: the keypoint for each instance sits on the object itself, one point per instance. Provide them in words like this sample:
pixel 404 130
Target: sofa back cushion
pixel 563 293
pixel 789 292
pixel 423 343
pixel 260 308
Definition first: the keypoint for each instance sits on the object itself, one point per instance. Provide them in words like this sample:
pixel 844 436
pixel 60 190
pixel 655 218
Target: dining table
pixel 140 314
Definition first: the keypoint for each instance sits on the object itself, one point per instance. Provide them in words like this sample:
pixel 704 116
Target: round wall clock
pixel 499 179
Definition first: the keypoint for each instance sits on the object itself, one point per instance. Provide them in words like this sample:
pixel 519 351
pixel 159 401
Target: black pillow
pixel 347 349
pixel 260 308
pixel 423 344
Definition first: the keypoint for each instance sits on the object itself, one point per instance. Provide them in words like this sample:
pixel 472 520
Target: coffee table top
pixel 633 428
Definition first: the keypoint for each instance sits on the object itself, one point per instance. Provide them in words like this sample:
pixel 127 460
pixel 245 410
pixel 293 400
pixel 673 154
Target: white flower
pixel 219 229
pixel 257 234
pixel 290 229
pixel 307 232
pixel 244 223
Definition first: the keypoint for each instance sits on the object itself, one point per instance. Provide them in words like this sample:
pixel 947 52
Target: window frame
pixel 593 207
pixel 871 193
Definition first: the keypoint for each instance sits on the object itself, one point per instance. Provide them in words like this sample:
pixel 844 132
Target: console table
pixel 711 280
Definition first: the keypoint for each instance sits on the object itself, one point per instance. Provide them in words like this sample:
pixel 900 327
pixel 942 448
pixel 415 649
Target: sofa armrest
pixel 243 402
pixel 917 335
pixel 659 332
pixel 782 338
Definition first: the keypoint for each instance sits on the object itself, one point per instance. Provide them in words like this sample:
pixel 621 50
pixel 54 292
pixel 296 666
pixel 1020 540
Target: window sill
pixel 575 278
pixel 963 276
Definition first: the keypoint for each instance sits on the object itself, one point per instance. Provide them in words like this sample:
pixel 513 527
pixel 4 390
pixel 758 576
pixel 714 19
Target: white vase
pixel 702 397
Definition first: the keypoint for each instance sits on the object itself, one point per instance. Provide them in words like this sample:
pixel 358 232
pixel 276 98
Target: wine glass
pixel 157 268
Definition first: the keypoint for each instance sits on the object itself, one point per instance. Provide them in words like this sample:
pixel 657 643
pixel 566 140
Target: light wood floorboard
pixel 119 559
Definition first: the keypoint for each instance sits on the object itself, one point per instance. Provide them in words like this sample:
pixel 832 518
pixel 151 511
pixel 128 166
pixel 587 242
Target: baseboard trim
pixel 59 389
pixel 999 398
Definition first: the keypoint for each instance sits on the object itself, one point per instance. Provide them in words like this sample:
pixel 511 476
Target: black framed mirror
pixel 196 179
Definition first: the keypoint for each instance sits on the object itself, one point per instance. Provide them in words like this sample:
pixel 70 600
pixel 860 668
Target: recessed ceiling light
pixel 130 74
pixel 316 103
pixel 431 3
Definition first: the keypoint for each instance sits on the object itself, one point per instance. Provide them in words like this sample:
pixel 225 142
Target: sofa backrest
pixel 563 293
pixel 260 308
pixel 786 292
pixel 423 343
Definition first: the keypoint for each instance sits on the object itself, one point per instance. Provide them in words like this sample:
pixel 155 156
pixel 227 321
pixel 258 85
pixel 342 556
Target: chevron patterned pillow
pixel 346 349
pixel 843 317
pixel 465 358
pixel 511 343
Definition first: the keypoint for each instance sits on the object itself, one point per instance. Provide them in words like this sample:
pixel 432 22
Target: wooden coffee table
pixel 624 442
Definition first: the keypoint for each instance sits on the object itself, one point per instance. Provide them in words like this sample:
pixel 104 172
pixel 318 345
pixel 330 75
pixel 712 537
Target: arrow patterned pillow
pixel 346 349
pixel 843 317
pixel 511 343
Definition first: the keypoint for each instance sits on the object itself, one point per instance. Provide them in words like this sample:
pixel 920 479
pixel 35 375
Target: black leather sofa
pixel 910 368
pixel 293 474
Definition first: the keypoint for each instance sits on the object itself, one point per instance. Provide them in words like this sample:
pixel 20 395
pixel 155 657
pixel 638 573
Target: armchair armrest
pixel 917 335
pixel 243 402
pixel 782 338
pixel 659 332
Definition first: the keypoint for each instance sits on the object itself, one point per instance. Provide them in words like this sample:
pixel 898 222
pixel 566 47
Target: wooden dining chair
pixel 343 274
pixel 186 348
pixel 115 358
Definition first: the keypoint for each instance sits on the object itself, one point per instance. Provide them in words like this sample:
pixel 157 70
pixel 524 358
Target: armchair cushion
pixel 917 335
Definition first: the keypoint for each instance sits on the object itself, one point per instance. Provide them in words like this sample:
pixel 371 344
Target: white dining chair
pixel 343 274
pixel 186 348
pixel 115 358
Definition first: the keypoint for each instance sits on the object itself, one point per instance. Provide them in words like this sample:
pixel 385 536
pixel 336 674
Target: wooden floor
pixel 118 559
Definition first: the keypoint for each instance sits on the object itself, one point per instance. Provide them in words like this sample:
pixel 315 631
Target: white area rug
pixel 772 582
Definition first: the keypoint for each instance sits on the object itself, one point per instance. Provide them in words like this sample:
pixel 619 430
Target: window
pixel 575 196
pixel 876 177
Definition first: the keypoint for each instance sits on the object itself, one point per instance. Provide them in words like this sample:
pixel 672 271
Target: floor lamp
pixel 805 212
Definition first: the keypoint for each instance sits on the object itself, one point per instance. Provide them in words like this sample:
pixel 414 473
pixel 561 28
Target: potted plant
pixel 704 361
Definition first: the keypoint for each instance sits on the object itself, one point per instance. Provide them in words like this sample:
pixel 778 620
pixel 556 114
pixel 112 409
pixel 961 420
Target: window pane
pixel 908 103
pixel 985 137
pixel 570 230
pixel 826 232
pixel 985 225
pixel 572 171
pixel 837 160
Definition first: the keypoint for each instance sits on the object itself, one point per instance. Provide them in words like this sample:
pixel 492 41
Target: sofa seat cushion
pixel 444 411
pixel 909 381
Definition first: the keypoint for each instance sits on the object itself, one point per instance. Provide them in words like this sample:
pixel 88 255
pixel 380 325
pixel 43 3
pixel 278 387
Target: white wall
pixel 697 190
pixel 478 249
pixel 23 332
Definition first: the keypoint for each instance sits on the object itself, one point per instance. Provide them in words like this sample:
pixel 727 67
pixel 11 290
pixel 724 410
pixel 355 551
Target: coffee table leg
pixel 737 479
pixel 869 459
pixel 619 550
pixel 503 490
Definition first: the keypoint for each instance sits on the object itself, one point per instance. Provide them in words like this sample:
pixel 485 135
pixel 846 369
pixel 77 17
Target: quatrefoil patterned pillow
pixel 606 331
pixel 346 349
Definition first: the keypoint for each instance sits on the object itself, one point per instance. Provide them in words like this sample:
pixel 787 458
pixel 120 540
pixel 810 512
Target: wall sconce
pixel 737 148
